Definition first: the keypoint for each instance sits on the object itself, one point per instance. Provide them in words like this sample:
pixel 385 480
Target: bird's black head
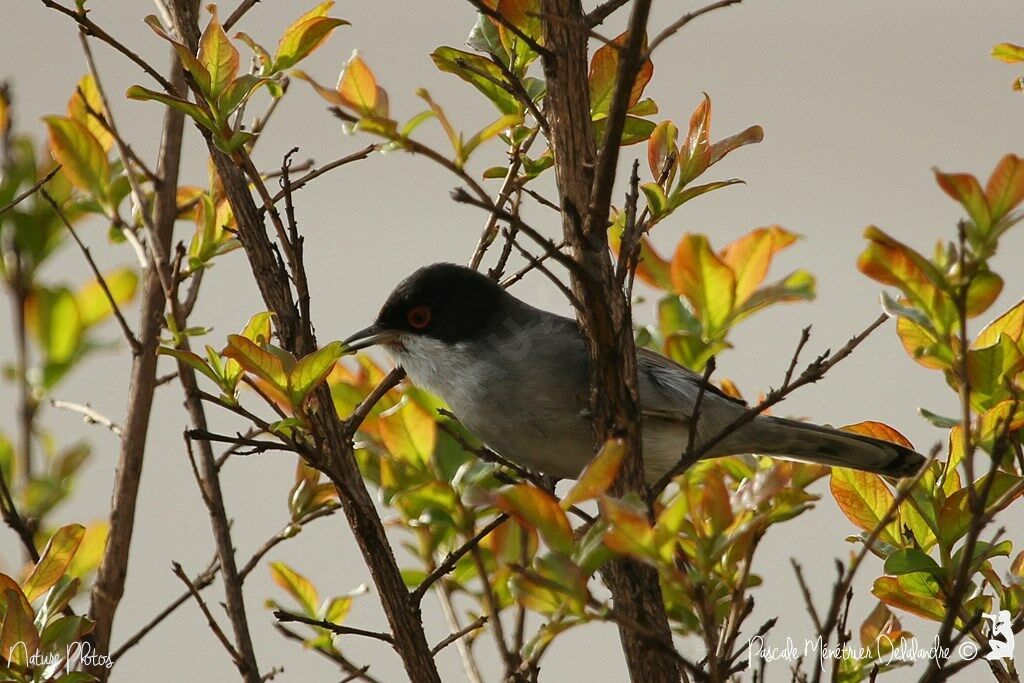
pixel 445 301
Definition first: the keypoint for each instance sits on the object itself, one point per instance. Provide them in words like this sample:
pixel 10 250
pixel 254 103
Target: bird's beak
pixel 374 334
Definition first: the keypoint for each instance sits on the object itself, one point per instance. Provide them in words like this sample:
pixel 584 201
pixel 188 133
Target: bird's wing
pixel 672 389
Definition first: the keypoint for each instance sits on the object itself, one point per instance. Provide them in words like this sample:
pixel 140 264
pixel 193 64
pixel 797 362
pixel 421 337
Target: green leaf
pixel 192 360
pixel 188 60
pixel 1008 52
pixel 80 155
pixel 1010 324
pixel 93 305
pixel 305 35
pixel 311 370
pixel 909 560
pixel 707 282
pixel 54 315
pixel 218 56
pixel 989 369
pixel 1005 187
pixel 237 92
pixel 683 196
pixel 257 360
pixel 190 109
pixel 896 592
pixel 656 199
pixel 488 132
pixel 955 514
pixel 297 586
pixel 470 67
pixel 53 561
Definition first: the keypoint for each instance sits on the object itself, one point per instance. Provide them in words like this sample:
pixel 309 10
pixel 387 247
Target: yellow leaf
pixel 706 281
pixel 256 360
pixel 217 55
pixel 86 97
pixel 53 561
pixel 297 586
pixel 80 155
pixel 19 638
pixel 409 433
pixel 313 369
pixel 750 256
pixel 93 305
pixel 598 475
pixel 537 509
pixel 357 86
pixel 864 499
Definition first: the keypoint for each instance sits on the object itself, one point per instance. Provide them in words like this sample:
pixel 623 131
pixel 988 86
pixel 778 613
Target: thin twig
pixel 89 415
pixel 214 626
pixel 353 672
pixel 483 8
pixel 125 329
pixel 299 183
pixel 465 630
pixel 38 185
pixel 239 12
pixel 671 29
pixel 597 15
pixel 416 595
pixel 285 617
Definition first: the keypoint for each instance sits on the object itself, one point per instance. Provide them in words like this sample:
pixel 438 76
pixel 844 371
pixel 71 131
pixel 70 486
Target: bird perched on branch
pixel 517 377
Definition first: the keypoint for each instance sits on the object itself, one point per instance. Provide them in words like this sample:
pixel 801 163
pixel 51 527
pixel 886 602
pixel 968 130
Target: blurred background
pixel 858 101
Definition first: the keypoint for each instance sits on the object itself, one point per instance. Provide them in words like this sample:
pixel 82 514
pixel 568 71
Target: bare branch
pixel 464 631
pixel 238 13
pixel 285 617
pixel 214 626
pixel 30 191
pixel 89 416
pixel 671 29
pixel 299 183
pixel 448 564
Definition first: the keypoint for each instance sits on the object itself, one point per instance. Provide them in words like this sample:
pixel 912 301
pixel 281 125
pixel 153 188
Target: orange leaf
pixel 965 189
pixel 538 510
pixel 357 86
pixel 695 153
pixel 598 475
pixel 878 430
pixel 1005 187
pixel 864 499
pixel 660 146
pixel 750 256
pixel 604 71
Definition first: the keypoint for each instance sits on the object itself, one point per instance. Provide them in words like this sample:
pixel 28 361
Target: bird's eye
pixel 419 317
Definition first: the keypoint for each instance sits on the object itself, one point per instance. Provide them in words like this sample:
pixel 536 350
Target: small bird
pixel 517 377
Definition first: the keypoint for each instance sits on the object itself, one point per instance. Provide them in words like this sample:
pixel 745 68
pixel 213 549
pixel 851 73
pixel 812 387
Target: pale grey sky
pixel 858 100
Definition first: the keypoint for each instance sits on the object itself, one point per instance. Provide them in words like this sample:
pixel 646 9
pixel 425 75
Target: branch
pixel 354 672
pixel 239 12
pixel 30 191
pixel 125 329
pixel 485 9
pixel 285 617
pixel 232 652
pixel 89 27
pixel 317 172
pixel 602 12
pixel 465 630
pixel 449 562
pixel 89 416
pixel 671 29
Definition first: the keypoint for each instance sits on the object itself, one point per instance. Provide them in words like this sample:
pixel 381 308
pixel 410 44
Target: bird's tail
pixel 811 443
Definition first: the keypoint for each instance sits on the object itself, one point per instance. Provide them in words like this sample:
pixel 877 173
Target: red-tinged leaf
pixel 1010 324
pixel 893 591
pixel 190 109
pixel 85 98
pixel 80 155
pixel 878 430
pixel 714 508
pixel 695 152
pixel 302 38
pixel 537 509
pixel 256 360
pixel 707 282
pixel 965 189
pixel 53 561
pixel 923 346
pixel 599 474
pixel 630 532
pixel 875 625
pixel 1005 187
pixel 297 586
pixel 604 71
pixel 750 136
pixel 188 60
pixel 660 146
pixel 332 96
pixel 864 499
pixel 313 369
pixel 1008 52
pixel 750 256
pixel 19 638
pixel 217 55
pixel 357 87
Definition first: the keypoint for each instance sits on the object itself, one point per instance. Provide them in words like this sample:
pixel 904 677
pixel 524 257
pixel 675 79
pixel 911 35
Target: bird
pixel 517 377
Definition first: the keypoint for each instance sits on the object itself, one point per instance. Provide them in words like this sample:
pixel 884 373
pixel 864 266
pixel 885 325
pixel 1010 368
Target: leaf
pixel 984 289
pixel 750 256
pixel 878 430
pixel 864 498
pixel 988 370
pixel 87 97
pixel 192 360
pixel 470 68
pixel 893 592
pixel 357 87
pixel 683 196
pixel 630 532
pixel 1008 52
pixel 19 638
pixel 797 286
pixel 297 586
pixel 218 56
pixel 188 60
pixel 604 71
pixel 53 561
pixel 80 155
pixel 660 146
pixel 1009 324
pixel 965 189
pixel 487 132
pixel 190 109
pixel 305 35
pixel 537 509
pixel 410 433
pixel 705 281
pixel 695 152
pixel 257 330
pixel 237 92
pixel 53 315
pixel 955 514
pixel 909 560
pixel 93 305
pixel 1005 187
pixel 256 360
pixel 599 474
pixel 311 370
pixel 750 136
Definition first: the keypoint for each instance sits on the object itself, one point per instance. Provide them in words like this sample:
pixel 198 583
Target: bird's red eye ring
pixel 419 317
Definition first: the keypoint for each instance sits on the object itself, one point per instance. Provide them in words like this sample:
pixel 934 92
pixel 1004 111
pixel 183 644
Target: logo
pixel 1001 639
